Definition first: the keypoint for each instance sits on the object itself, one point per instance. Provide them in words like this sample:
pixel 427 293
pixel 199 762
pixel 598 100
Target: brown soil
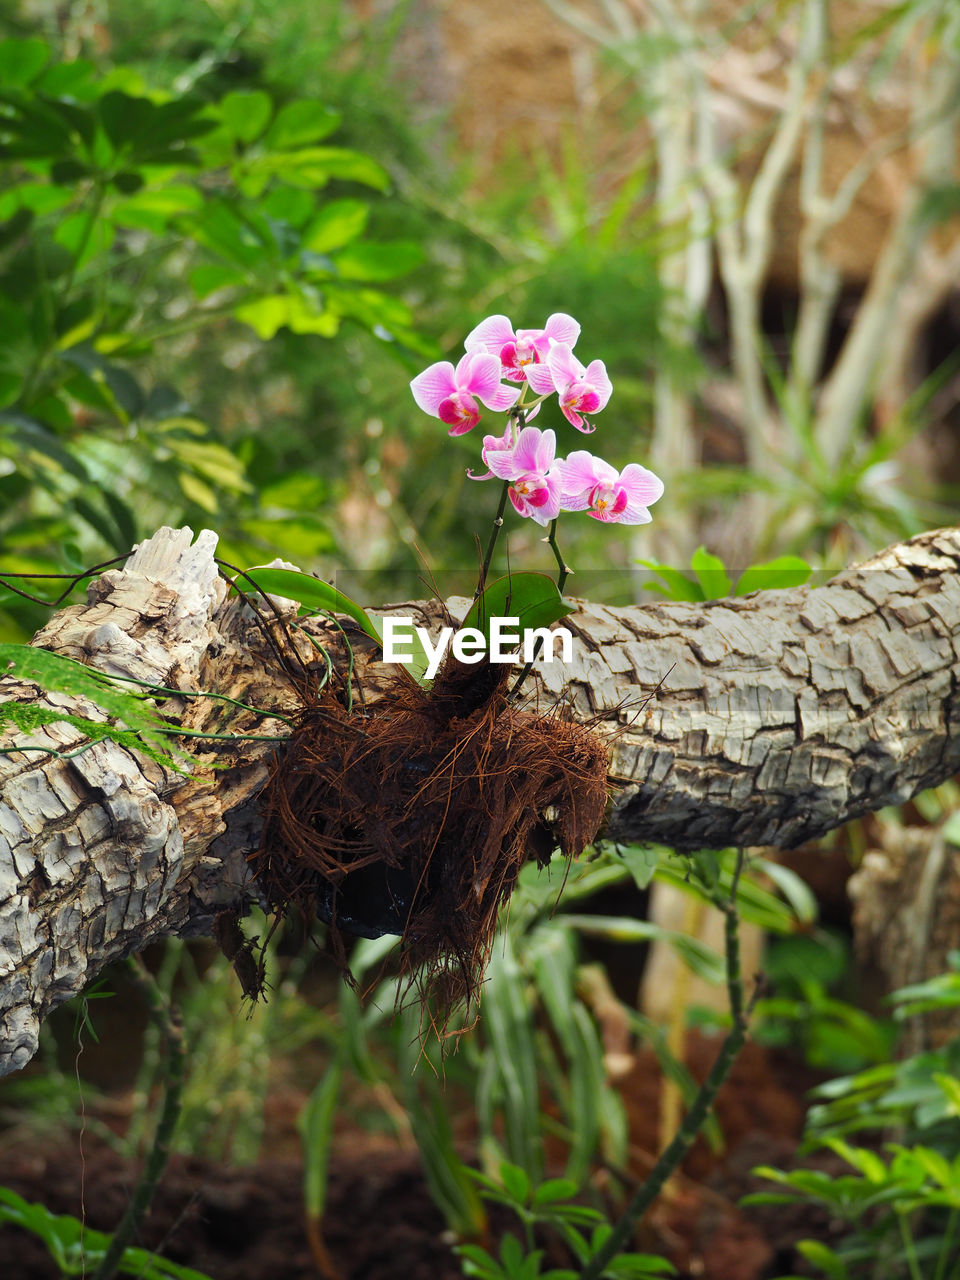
pixel 247 1223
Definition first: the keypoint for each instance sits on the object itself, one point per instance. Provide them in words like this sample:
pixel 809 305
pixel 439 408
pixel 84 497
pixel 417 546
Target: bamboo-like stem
pixel 669 1161
pixel 167 1017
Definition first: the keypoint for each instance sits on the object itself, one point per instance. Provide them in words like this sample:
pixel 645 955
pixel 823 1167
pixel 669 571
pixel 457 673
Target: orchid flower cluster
pixel 540 485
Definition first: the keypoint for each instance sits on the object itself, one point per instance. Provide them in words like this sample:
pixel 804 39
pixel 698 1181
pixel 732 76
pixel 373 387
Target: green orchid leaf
pixel 532 598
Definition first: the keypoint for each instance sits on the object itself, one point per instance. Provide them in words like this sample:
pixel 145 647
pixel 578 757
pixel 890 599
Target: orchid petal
pixel 479 373
pixel 582 470
pixel 546 449
pixel 642 486
pixel 598 378
pixel 562 328
pixel 500 397
pixel 564 366
pixel 492 334
pixel 535 450
pixel 634 513
pixel 575 420
pixel 540 379
pixel 433 386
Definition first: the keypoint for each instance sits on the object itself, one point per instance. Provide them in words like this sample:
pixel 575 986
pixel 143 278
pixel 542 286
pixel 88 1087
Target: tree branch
pixel 768 719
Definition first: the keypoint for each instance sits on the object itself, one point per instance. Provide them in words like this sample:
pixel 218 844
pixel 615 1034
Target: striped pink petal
pixel 433 386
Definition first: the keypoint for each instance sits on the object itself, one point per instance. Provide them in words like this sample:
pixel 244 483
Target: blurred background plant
pixel 230 232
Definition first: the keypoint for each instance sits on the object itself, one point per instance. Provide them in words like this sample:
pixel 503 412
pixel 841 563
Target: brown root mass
pixel 415 815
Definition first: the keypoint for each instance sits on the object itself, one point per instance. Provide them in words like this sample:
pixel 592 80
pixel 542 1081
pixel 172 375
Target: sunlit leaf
pixel 780 574
pixel 337 223
pixel 246 112
pixel 370 261
pixel 300 123
pixel 711 574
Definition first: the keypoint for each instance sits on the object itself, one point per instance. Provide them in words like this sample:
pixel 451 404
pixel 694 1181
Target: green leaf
pixel 123 117
pixel 11 385
pixel 673 584
pixel 951 829
pixel 21 61
pixel 533 598
pixel 79 237
pixel 825 1258
pixel 290 205
pixel 796 891
pixel 198 492
pixel 641 860
pixel 57 674
pixel 950 1086
pixel 711 574
pixel 213 461
pixel 698 957
pixel 74 79
pixel 128 182
pixel 246 112
pixel 515 1182
pixel 552 1190
pixel 774 575
pixel 383 261
pixel 67 173
pixel 314 167
pixel 625 1266
pixel 316 1134
pixel 337 223
pixel 41 197
pixel 125 391
pixel 306 314
pixel 37 438
pixel 153 208
pixel 212 277
pixel 312 593
pixel 301 123
pixel 266 315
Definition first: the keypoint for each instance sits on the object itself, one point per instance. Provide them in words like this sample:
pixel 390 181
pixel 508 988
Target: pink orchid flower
pixel 452 394
pixel 523 347
pixel 615 497
pixel 536 477
pixel 581 390
pixel 494 444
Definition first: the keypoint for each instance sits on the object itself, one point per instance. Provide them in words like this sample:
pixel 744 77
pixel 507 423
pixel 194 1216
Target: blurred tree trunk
pixel 752 721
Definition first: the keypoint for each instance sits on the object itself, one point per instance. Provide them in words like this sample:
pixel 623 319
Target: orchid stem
pixel 564 573
pixel 518 413
pixel 494 535
pixel 562 565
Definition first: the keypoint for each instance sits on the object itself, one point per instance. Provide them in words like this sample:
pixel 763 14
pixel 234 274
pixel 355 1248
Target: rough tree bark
pixel 771 719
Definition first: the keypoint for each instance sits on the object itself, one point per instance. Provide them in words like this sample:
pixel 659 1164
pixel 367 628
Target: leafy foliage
pixel 710 579
pixel 901 1204
pixel 132 217
pixel 77 1250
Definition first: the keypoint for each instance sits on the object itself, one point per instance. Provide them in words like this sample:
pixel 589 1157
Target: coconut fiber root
pixel 414 815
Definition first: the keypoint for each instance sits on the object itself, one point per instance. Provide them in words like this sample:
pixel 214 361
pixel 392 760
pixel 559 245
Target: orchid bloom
pixel 581 390
pixel 615 497
pixel 452 394
pixel 494 444
pixel 535 477
pixel 523 347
